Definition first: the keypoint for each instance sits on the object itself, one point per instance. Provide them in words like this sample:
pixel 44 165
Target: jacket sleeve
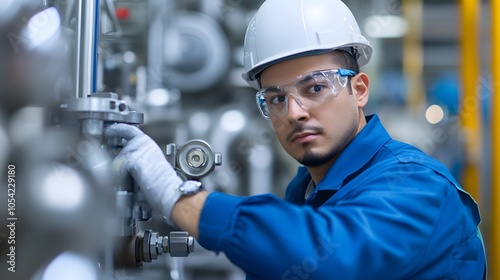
pixel 376 231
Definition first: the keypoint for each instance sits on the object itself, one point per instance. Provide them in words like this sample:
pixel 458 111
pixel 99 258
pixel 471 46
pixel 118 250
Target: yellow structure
pixel 494 244
pixel 413 54
pixel 470 105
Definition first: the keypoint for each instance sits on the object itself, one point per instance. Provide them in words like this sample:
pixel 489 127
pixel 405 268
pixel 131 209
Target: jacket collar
pixel 359 151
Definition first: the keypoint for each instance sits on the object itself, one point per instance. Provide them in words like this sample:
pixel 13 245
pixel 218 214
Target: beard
pixel 314 159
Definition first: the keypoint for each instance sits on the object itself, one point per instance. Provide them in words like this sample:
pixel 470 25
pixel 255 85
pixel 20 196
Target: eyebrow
pixel 274 89
pixel 300 82
pixel 309 77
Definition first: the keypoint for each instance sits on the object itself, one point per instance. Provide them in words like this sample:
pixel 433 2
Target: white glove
pixel 144 160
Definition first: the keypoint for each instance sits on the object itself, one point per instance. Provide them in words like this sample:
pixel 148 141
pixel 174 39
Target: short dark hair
pixel 346 58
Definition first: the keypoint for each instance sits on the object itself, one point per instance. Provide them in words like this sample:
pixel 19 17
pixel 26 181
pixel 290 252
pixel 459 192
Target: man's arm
pixel 186 212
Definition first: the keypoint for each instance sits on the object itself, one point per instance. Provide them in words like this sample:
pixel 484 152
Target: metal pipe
pixel 86 47
pixel 469 38
pixel 494 270
pixel 160 16
pixel 155 45
pixel 413 54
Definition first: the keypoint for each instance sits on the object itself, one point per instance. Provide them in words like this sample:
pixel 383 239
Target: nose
pixel 295 109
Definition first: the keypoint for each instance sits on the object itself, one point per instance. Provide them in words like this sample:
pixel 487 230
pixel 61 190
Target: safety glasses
pixel 308 90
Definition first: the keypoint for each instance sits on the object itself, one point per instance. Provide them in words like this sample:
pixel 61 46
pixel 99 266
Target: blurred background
pixel 179 62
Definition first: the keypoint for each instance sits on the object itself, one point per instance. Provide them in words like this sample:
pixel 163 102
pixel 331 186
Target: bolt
pixel 218 159
pixel 190 243
pixel 152 245
pixel 164 244
pixel 159 244
pixel 122 107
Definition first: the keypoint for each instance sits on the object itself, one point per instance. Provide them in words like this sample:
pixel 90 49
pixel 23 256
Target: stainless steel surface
pixel 104 107
pixel 180 244
pixel 193 160
pixel 86 39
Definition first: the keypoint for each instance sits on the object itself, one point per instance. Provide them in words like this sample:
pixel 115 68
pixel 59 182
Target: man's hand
pixel 144 160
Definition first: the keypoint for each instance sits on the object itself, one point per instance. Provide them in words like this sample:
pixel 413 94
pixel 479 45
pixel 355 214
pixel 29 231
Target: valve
pixel 194 159
pixel 152 245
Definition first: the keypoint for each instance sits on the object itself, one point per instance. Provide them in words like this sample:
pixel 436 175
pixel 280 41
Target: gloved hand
pixel 144 160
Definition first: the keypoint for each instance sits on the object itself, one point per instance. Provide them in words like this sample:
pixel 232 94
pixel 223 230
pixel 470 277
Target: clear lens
pixel 309 90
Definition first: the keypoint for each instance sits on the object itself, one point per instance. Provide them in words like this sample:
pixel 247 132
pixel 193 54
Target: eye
pixel 316 85
pixel 277 99
pixel 315 89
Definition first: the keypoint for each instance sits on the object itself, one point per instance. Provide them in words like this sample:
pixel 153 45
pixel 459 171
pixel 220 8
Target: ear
pixel 361 88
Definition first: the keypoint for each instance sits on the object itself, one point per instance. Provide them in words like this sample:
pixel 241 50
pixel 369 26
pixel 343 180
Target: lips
pixel 303 137
pixel 304 133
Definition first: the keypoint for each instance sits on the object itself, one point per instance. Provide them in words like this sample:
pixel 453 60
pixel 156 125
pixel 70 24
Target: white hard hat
pixel 287 29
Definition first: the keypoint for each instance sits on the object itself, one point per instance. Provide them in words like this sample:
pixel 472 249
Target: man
pixel 362 206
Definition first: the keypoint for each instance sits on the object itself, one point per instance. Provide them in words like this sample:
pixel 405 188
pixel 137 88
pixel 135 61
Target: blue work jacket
pixel 384 210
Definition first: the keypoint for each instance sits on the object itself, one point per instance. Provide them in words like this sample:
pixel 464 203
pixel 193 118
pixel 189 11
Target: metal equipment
pixel 102 62
pixel 90 112
pixel 193 160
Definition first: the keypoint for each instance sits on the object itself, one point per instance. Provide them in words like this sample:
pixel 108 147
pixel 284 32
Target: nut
pixel 196 158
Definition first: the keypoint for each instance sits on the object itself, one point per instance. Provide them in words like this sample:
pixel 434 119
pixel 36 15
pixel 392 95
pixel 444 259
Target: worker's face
pixel 315 136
